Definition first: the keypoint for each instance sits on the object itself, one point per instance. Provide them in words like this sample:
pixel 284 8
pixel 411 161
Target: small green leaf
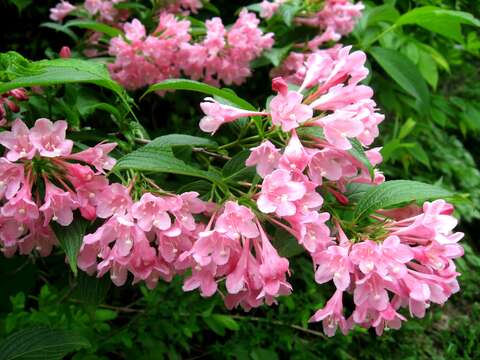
pixel 182 140
pixel 442 21
pixel 405 73
pixel 70 238
pixel 21 4
pixel 397 192
pixel 276 55
pixel 358 153
pixel 60 28
pixel 184 84
pixel 428 69
pixel 95 26
pixel 41 343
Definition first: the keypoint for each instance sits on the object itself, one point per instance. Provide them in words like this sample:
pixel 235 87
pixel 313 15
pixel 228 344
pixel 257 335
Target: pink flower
pixel 331 315
pixel 279 192
pixel 17 142
pixel 371 291
pixel 340 126
pixel 151 211
pixel 218 114
pixel 114 199
pixel 203 278
pixel 312 231
pixel 21 207
pixel 330 164
pixel 134 31
pixel 58 205
pixel 366 255
pixel 61 10
pixel 11 178
pixel 236 221
pixel 268 9
pixel 286 108
pixel 265 156
pixel 340 96
pixel 273 270
pixel 97 156
pixel 49 138
pixel 333 263
pixel 213 247
pixel 295 157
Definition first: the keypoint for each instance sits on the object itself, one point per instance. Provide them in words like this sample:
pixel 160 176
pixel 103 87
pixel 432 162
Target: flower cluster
pixel 403 253
pixel 409 266
pixel 102 10
pixel 223 55
pixel 41 181
pixel 336 18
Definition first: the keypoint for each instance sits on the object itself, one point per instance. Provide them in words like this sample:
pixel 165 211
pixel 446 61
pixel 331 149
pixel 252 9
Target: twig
pixel 280 323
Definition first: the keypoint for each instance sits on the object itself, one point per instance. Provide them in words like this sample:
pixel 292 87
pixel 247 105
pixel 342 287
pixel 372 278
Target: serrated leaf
pixel 41 343
pixel 397 192
pixel 358 153
pixel 405 73
pixel 191 85
pixel 70 238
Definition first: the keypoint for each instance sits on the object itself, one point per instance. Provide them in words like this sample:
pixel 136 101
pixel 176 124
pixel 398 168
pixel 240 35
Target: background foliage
pixel 426 81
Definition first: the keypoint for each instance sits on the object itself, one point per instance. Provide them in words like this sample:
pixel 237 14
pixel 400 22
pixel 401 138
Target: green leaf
pixel 41 343
pixel 276 55
pixel 23 73
pixel 91 290
pixel 60 28
pixel 182 140
pixel 218 323
pixel 358 153
pixel 428 69
pixel 235 168
pixel 95 26
pixel 158 158
pixel 381 13
pixel 21 4
pixel 405 73
pixel 287 12
pixel 70 238
pixel 442 21
pixel 286 244
pixel 407 128
pixel 184 84
pixel 396 192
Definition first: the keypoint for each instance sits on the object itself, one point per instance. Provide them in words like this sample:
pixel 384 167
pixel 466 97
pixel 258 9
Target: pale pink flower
pixel 273 270
pixel 333 263
pixel 49 138
pixel 115 199
pixel 340 126
pixel 279 192
pixel 265 156
pixel 268 9
pixel 203 278
pixel 213 246
pixel 218 114
pixel 11 178
pixel 58 205
pixel 61 10
pixel 286 108
pixel 151 211
pixel 21 207
pixel 340 96
pixel 312 231
pixel 18 142
pixel 97 156
pixel 332 315
pixel 236 221
pixel 295 157
pixel 371 291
